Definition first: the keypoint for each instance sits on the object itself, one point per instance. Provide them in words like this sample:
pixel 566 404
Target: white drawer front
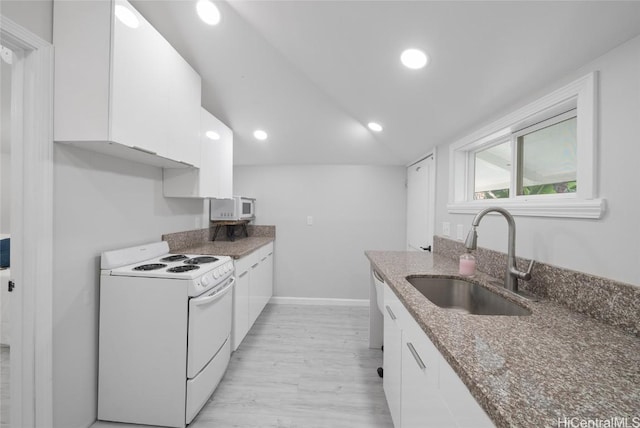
pixel 200 388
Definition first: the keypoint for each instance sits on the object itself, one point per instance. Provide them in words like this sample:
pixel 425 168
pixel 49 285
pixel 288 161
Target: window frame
pixel 579 94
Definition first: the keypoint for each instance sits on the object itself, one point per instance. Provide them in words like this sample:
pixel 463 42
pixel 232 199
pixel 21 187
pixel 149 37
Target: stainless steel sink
pixel 464 297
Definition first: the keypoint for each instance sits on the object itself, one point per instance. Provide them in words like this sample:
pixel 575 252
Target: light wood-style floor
pixel 300 367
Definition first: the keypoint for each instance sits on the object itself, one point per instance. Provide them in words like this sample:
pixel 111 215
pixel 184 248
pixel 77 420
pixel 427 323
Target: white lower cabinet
pixel 392 355
pixel 464 408
pixel 423 404
pixel 422 390
pixel 254 288
pixel 260 283
pixel 240 325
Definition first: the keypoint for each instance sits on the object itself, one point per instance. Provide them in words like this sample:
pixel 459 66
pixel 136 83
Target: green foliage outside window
pixel 537 189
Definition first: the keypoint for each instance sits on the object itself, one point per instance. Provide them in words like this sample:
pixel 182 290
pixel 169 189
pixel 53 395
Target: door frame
pixel 31 226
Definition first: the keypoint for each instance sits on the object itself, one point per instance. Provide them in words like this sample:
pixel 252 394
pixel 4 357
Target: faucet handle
pixel 527 274
pixel 530 266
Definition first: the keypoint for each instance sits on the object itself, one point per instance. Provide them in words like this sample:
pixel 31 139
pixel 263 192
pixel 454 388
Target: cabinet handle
pixel 416 356
pixel 263 259
pixel 393 317
pixel 253 267
pixel 140 149
pixel 243 274
pixel 377 275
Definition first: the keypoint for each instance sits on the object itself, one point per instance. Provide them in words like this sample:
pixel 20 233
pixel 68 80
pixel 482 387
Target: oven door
pixel 209 326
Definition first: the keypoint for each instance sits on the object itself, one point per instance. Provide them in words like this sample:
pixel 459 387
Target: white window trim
pixel 582 204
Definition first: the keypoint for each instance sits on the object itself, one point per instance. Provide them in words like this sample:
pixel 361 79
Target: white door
pixel 420 204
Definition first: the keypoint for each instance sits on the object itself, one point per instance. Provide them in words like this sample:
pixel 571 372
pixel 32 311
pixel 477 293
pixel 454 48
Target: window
pixel 492 171
pixel 547 161
pixel 537 161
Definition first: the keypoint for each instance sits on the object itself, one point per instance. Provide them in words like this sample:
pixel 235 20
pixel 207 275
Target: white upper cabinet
pixel 184 111
pixel 121 88
pixel 214 178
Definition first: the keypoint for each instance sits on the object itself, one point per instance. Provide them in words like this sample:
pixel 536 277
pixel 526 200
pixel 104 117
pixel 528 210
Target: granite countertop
pixel 525 371
pixel 236 249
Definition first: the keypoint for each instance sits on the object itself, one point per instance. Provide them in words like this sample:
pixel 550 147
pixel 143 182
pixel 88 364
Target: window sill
pixel 569 208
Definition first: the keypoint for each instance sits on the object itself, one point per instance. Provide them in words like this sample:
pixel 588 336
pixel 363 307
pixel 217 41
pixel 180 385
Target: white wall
pixel 100 203
pixel 354 208
pixel 606 247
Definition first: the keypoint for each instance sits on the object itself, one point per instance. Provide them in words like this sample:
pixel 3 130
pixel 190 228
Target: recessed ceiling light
pixel 208 12
pixel 126 16
pixel 259 134
pixel 376 127
pixel 414 58
pixel 212 135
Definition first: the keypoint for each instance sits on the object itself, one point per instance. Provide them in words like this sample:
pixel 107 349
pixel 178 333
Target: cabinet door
pixel 224 163
pixel 139 90
pixel 262 284
pixel 183 110
pixel 255 280
pixel 261 281
pixel 422 403
pixel 392 357
pixel 240 309
pixel 82 40
pixel 214 177
pixel 217 157
pixel 268 275
pixel 463 406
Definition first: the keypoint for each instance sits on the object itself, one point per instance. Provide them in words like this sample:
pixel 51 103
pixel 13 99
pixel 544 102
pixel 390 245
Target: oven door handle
pixel 215 296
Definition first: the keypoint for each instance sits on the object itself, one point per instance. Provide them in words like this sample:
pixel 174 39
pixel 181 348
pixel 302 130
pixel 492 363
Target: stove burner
pixel 184 268
pixel 174 258
pixel 152 266
pixel 201 260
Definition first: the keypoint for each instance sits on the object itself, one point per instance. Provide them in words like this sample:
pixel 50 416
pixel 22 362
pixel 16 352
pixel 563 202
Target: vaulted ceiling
pixel 314 73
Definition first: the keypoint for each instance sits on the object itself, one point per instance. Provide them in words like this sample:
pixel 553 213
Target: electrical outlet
pixel 446 228
pixel 460 232
pixel 309 220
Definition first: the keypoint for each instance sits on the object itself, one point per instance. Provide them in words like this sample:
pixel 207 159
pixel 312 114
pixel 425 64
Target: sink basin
pixel 464 297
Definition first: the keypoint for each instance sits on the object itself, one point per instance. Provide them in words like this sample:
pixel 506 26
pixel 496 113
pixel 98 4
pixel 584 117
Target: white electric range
pixel 165 321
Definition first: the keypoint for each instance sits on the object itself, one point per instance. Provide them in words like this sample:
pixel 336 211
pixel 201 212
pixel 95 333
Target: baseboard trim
pixel 318 301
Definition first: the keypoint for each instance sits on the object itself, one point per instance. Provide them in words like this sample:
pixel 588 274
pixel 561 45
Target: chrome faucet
pixel 512 273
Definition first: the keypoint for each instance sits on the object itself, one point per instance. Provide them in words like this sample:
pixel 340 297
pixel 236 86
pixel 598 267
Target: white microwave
pixel 238 208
